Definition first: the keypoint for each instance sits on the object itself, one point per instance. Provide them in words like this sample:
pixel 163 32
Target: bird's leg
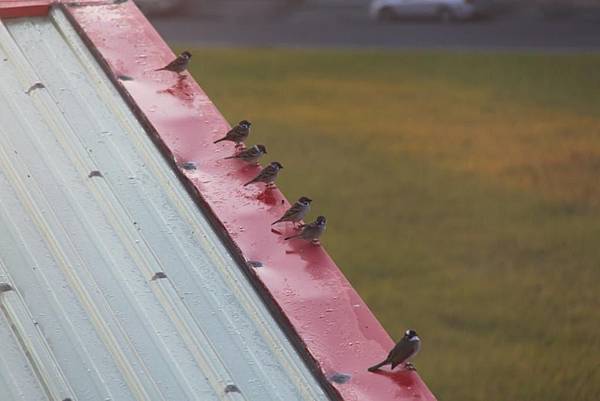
pixel 316 242
pixel 409 366
pixel 270 185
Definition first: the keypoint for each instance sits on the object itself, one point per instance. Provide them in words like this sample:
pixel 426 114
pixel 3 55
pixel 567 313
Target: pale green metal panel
pixel 86 321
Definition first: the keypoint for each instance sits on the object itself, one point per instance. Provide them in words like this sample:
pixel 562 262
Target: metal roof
pixel 331 328
pixel 90 211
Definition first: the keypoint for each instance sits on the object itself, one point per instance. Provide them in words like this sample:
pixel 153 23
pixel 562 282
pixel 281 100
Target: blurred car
pixel 161 7
pixel 445 10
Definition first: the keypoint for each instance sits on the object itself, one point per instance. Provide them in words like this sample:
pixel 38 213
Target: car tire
pixel 386 14
pixel 445 15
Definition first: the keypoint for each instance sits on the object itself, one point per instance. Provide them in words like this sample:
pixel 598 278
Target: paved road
pixel 350 27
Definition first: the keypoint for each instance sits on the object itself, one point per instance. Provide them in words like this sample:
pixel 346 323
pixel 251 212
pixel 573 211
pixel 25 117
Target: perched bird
pixel 237 134
pixel 311 231
pixel 267 174
pixel 5 287
pixel 297 211
pixel 407 347
pixel 178 65
pixel 250 155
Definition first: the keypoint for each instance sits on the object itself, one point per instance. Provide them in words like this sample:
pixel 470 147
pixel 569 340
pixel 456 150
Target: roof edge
pixel 325 318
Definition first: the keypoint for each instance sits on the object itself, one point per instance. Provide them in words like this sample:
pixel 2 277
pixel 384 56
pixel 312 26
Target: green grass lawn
pixel 463 199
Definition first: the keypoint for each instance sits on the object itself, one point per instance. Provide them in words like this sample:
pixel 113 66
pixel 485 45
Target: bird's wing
pixel 401 352
pixel 259 177
pixel 310 231
pixel 294 210
pixel 230 133
pixel 174 63
pixel 252 152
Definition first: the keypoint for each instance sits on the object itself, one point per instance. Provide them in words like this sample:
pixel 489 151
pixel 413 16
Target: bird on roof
pixel 5 287
pixel 405 349
pixel 237 134
pixel 178 65
pixel 312 231
pixel 296 212
pixel 267 174
pixel 250 155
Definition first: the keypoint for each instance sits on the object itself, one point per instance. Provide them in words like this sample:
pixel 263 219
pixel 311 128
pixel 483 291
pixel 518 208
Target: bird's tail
pixel 249 182
pixel 229 157
pixel 161 69
pixel 291 237
pixel 375 367
pixel 276 221
pixel 220 140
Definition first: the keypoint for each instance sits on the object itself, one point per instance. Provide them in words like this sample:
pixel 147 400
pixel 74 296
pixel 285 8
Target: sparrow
pixel 407 347
pixel 250 155
pixel 5 287
pixel 237 134
pixel 311 231
pixel 178 65
pixel 267 174
pixel 296 212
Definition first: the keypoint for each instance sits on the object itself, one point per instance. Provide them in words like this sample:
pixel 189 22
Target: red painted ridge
pixel 336 327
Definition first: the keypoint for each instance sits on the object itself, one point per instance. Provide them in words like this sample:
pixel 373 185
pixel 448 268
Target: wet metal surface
pixel 121 289
pixel 335 326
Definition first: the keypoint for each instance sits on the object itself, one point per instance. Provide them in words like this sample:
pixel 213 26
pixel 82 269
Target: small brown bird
pixel 312 231
pixel 297 211
pixel 178 65
pixel 237 134
pixel 406 348
pixel 250 155
pixel 267 174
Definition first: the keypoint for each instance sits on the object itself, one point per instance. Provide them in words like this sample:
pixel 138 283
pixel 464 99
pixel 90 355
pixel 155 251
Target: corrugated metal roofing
pixel 90 212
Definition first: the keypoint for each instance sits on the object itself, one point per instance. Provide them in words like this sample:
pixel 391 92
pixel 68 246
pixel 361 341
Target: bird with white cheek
pixel 405 349
pixel 296 212
pixel 178 65
pixel 250 155
pixel 312 231
pixel 237 134
pixel 267 175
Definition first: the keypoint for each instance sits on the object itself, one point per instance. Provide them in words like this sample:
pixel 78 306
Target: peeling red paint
pixel 336 327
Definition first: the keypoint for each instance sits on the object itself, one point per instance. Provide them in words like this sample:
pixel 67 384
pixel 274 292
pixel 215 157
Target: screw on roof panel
pixel 158 275
pixel 5 287
pixel 232 388
pixel 340 378
pixel 188 166
pixel 37 85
